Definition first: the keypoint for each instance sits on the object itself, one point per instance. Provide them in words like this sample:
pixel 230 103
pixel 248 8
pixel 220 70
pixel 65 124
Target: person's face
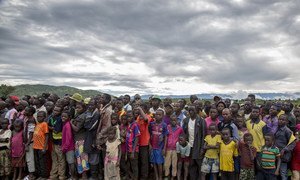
pixel 2 105
pixel 92 105
pixel 273 111
pixel 40 117
pixel 27 112
pixel 182 141
pixel 4 124
pixel 56 111
pixel 240 122
pixel 248 105
pixel 155 102
pixel 212 130
pixel 177 107
pixel 193 99
pixel 297 112
pixel 158 115
pixel 79 108
pixel 124 120
pixel 169 110
pixel 64 117
pixel 213 113
pixel 137 98
pixel 282 121
pixel 9 102
pixel 119 105
pixel 255 113
pixel 130 117
pixel 49 106
pixel 220 107
pixel 20 107
pixel 126 99
pixel 234 108
pixel 248 140
pixel 226 115
pixel 114 120
pixel 17 127
pixel 227 102
pixel 173 121
pixel 192 111
pixel 268 141
pixel 111 136
pixel 226 135
pixel 181 103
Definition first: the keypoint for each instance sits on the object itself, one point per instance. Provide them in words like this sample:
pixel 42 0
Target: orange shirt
pixel 143 126
pixel 39 135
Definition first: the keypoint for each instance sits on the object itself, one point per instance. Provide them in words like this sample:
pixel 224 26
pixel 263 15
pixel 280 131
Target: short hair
pixel 44 113
pixel 18 122
pixel 183 135
pixel 269 134
pixel 67 112
pixel 31 109
pixel 126 95
pixel 107 97
pixel 111 129
pixel 247 135
pixel 256 108
pixel 163 112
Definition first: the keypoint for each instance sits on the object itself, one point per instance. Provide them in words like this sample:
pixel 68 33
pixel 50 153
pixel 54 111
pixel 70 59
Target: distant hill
pixel 38 89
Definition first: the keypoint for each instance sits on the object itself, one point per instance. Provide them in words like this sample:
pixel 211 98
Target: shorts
pixel 237 164
pixel 210 165
pixel 184 160
pixel 70 157
pixel 156 156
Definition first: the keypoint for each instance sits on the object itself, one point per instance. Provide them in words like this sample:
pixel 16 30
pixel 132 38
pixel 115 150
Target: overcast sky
pixel 152 47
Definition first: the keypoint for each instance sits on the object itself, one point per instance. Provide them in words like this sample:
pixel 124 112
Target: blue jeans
pixel 283 171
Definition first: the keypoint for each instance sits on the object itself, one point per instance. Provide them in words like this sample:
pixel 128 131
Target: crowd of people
pixel 104 137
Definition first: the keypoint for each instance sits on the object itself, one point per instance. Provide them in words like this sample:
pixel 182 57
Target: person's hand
pixel 282 152
pixel 44 151
pixel 277 172
pixel 117 164
pixel 26 147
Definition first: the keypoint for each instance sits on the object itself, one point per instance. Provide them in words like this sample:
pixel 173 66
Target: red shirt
pixel 244 151
pixel 131 134
pixel 296 157
pixel 173 136
pixel 143 126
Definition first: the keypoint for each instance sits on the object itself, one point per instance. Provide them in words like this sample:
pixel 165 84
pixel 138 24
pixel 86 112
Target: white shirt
pixel 127 107
pixel 191 129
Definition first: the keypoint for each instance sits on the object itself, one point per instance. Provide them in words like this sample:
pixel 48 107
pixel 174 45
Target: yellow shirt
pixel 227 152
pixel 212 141
pixel 280 113
pixel 257 132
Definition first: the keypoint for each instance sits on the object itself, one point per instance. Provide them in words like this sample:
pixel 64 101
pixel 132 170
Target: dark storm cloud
pixel 175 39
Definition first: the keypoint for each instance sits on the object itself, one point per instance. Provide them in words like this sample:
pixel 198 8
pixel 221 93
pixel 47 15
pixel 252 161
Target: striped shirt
pixel 268 157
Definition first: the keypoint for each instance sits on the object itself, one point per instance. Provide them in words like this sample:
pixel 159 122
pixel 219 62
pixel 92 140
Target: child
pixel 40 142
pixel 228 151
pixel 158 139
pixel 68 145
pixel 58 169
pixel 295 165
pixel 113 155
pixel 269 161
pixel 29 125
pixel 132 146
pixel 171 155
pixel 247 155
pixel 210 162
pixel 272 119
pixel 213 117
pixel 5 135
pixel 114 123
pixel 79 136
pixel 183 150
pixel 123 128
pixel 285 141
pixel 17 149
pixel 240 123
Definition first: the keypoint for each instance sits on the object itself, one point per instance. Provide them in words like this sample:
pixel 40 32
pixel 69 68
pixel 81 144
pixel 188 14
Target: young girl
pixel 79 135
pixel 68 145
pixel 40 145
pixel 5 135
pixel 240 123
pixel 113 155
pixel 17 149
pixel 114 123
pixel 295 165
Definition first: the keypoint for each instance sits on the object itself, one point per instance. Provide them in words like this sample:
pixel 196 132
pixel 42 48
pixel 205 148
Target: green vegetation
pixel 38 89
pixel 5 90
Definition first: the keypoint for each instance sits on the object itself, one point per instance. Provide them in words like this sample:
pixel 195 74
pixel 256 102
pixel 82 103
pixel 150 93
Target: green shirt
pixel 268 157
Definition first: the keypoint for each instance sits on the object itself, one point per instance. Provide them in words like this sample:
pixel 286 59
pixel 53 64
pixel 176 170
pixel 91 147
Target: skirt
pixel 18 161
pixel 82 158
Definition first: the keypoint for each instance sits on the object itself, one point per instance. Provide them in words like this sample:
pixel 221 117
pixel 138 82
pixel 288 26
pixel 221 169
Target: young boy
pixel 40 141
pixel 132 146
pixel 58 169
pixel 247 155
pixel 158 139
pixel 269 161
pixel 228 151
pixel 5 136
pixel 183 150
pixel 285 141
pixel 171 155
pixel 210 163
